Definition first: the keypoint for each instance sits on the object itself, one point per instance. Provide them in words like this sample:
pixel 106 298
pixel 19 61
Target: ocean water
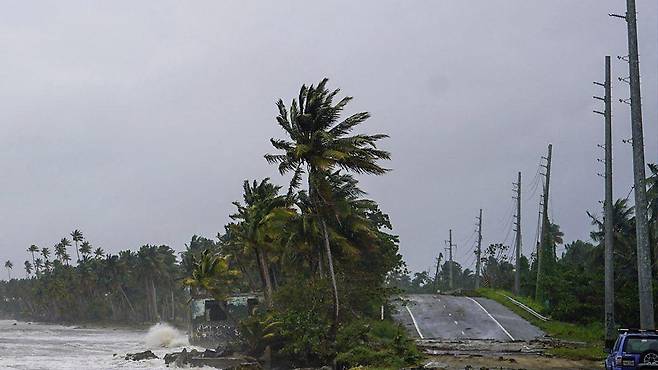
pixel 45 346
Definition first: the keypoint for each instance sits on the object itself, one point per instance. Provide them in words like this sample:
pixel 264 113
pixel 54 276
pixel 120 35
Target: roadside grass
pixel 591 335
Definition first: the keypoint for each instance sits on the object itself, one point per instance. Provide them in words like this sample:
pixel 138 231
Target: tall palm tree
pixel 319 143
pixel 33 249
pixel 60 251
pixel 67 243
pixel 85 249
pixel 38 264
pixel 9 265
pixel 28 268
pixel 254 231
pixel 77 237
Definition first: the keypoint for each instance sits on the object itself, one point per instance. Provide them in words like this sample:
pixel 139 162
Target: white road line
pixel 415 323
pixel 492 318
pixel 456 323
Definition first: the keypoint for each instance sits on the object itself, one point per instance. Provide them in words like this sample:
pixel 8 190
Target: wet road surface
pixel 455 317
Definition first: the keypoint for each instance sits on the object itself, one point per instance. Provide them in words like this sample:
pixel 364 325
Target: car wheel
pixel 649 358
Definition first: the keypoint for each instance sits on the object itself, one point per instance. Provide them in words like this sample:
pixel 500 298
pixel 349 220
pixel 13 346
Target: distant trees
pixel 120 287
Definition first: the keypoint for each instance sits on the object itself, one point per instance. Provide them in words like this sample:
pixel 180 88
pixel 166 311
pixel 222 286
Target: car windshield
pixel 641 344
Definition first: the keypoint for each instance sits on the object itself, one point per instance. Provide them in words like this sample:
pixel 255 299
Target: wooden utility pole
pixel 479 252
pixel 436 273
pixel 517 260
pixel 450 267
pixel 545 230
pixel 608 221
pixel 645 284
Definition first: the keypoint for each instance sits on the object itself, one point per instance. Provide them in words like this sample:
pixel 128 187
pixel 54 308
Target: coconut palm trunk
pixel 315 199
pixel 332 274
pixel 264 271
pixel 156 315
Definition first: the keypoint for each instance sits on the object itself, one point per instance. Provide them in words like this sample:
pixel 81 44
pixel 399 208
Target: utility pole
pixel 545 229
pixel 517 261
pixel 450 245
pixel 608 221
pixel 436 274
pixel 479 252
pixel 645 284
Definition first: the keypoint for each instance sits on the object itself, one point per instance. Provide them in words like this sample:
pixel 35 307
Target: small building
pixel 214 322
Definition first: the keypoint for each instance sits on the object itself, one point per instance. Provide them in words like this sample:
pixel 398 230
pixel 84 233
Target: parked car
pixel 634 349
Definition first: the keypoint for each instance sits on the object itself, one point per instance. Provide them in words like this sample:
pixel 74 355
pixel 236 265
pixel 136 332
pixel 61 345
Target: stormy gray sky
pixel 136 122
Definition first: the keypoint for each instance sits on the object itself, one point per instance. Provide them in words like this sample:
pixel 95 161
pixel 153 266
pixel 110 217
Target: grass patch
pixel 591 335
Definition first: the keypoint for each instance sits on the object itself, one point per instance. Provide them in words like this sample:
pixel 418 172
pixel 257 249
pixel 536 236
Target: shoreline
pixel 134 326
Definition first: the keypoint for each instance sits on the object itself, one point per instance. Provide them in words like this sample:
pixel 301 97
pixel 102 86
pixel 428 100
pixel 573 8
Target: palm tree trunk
pixel 173 306
pixel 330 261
pixel 264 270
pixel 331 274
pixel 149 310
pixel 156 315
pixel 125 296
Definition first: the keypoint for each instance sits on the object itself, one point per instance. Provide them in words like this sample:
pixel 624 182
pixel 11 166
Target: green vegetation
pixel 320 253
pixel 573 290
pixel 591 335
pixel 126 287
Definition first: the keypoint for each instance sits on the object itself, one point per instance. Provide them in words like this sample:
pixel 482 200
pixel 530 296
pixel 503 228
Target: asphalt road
pixel 429 316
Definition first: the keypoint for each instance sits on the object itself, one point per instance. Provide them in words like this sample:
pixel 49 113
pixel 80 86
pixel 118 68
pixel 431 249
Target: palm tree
pixel 67 243
pixel 85 249
pixel 211 274
pixel 9 266
pixel 28 268
pixel 77 237
pixel 98 252
pixel 60 251
pixel 263 209
pixel 66 258
pixel 45 252
pixel 38 264
pixel 318 144
pixel 33 249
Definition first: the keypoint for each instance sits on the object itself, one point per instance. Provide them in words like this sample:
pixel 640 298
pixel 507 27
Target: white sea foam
pixel 164 336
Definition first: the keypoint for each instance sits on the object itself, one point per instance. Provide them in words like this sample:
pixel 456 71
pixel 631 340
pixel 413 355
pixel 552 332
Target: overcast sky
pixel 136 122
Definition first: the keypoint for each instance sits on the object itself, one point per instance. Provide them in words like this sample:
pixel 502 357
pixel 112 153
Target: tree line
pixel 124 287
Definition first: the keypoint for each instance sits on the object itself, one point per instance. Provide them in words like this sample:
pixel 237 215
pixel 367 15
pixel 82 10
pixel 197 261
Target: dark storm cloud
pixel 137 122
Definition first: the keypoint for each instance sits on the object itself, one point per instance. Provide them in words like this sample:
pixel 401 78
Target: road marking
pixel 492 318
pixel 463 333
pixel 415 323
pixel 456 323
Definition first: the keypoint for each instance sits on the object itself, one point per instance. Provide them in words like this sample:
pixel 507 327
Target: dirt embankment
pixel 488 354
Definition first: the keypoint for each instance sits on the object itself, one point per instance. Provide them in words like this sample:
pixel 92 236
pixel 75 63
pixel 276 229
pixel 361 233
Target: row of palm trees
pixel 42 261
pixel 100 286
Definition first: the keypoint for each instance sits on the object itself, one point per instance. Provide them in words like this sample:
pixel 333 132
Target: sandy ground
pixel 452 362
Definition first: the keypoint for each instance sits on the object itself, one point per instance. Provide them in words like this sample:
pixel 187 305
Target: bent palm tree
pixel 9 265
pixel 256 219
pixel 28 268
pixel 77 237
pixel 320 143
pixel 33 249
